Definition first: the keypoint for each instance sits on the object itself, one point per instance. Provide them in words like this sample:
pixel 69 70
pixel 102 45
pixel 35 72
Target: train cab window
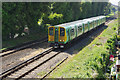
pixel 51 31
pixel 62 32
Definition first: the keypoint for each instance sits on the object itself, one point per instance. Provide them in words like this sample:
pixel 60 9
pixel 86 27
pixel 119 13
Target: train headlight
pixel 63 40
pixel 62 46
pixel 60 40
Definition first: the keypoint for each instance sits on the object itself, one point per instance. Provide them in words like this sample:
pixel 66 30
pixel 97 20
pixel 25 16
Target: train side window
pixel 62 32
pixel 79 28
pixel 72 32
pixel 51 31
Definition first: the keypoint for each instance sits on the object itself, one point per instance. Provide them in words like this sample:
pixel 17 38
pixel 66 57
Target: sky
pixel 115 2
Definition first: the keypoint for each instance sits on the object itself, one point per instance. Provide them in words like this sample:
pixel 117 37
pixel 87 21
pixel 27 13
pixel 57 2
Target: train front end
pixel 57 36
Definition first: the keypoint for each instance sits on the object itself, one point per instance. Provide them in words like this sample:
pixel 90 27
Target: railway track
pixel 27 66
pixel 23 46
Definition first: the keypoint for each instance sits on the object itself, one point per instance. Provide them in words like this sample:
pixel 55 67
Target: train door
pixel 56 34
pixel 88 25
pixel 83 28
pixel 68 32
pixel 76 31
pixel 93 23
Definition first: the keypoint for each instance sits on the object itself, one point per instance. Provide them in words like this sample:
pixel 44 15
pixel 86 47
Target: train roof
pixel 71 23
pixel 97 18
pixel 79 22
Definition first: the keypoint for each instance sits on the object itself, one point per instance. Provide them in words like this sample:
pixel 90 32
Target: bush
pixel 118 37
pixel 111 44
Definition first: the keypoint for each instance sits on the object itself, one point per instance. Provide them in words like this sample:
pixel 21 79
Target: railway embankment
pixel 21 41
pixel 93 60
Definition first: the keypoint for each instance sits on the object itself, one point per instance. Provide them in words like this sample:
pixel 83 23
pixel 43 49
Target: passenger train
pixel 60 35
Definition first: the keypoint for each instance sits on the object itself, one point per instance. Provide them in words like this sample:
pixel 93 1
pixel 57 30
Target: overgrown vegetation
pixel 111 44
pixel 91 61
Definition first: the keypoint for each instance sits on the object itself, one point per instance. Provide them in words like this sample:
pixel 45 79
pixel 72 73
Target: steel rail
pixel 13 69
pixel 37 66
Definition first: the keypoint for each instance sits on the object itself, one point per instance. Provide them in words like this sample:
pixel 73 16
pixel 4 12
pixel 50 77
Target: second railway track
pixel 30 64
pixel 7 52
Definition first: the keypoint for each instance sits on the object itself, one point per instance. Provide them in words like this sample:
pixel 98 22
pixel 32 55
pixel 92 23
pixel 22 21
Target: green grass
pixel 17 41
pixel 88 62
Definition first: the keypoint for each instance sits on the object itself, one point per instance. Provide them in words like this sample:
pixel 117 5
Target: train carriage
pixel 59 35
